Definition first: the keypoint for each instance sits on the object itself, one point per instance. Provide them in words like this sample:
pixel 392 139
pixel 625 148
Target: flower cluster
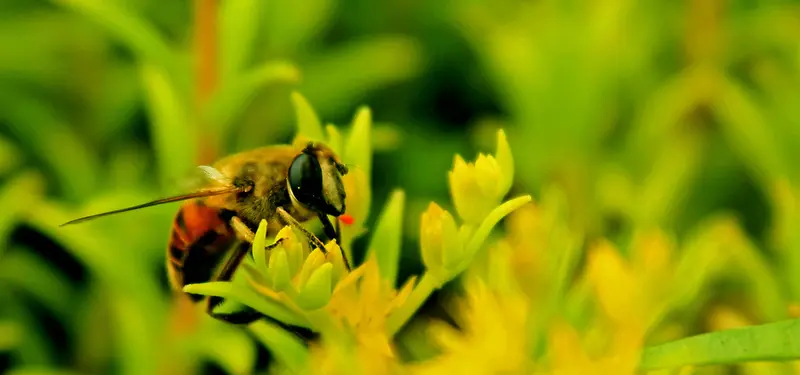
pixel 359 312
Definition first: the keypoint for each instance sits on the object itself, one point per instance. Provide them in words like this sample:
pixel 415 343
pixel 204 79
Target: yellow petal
pixel 431 237
pixel 505 162
pixel 314 260
pixel 452 246
pixel 614 283
pixel 488 177
pixel 317 291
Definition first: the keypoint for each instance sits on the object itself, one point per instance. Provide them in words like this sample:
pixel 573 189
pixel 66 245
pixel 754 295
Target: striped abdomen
pixel 201 237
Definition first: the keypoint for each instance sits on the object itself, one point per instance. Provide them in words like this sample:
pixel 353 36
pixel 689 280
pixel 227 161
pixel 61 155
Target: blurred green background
pixel 644 113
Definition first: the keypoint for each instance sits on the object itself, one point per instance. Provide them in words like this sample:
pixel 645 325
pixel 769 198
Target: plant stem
pixel 421 292
pixel 206 72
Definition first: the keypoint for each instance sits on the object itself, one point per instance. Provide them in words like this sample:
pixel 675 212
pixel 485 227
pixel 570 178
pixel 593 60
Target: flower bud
pixel 279 272
pixel 440 243
pixel 317 291
pixel 295 250
pixel 477 188
pixel 334 257
pixel 259 247
pixel 314 260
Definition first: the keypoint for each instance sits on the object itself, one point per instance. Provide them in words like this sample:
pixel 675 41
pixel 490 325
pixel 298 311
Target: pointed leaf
pixel 768 342
pixel 386 240
pixel 169 123
pixel 238 28
pixel 359 143
pixel 308 123
pixel 249 298
pixel 483 231
pixel 334 140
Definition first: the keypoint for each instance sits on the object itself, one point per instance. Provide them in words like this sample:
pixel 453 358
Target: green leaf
pixel 228 102
pixel 43 132
pixel 141 38
pixel 238 29
pixel 307 121
pixel 768 342
pixel 134 337
pixel 174 141
pixel 334 140
pixel 112 262
pixel 386 239
pixel 289 26
pixel 749 132
pixel 359 143
pixel 249 298
pixel 287 349
pixel 486 226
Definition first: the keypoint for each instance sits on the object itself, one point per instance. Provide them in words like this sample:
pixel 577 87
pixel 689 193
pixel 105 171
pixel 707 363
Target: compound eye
pixel 305 179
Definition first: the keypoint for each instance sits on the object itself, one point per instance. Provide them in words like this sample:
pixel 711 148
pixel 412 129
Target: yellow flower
pixel 344 354
pixel 294 276
pixel 633 292
pixel 362 301
pixel 568 355
pixel 493 337
pixel 478 188
pixel 440 243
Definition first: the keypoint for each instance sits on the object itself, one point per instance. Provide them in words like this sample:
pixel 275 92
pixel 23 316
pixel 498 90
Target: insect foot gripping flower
pixel 477 188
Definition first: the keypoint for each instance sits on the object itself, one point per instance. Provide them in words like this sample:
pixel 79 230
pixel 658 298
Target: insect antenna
pixel 197 194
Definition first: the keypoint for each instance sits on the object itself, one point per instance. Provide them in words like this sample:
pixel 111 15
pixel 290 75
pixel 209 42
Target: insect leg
pixel 242 230
pixel 333 233
pixel 312 239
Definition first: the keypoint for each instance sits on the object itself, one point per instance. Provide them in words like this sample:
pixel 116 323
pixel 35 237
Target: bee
pixel 282 184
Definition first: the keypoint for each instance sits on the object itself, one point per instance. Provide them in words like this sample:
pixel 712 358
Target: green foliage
pixel 769 342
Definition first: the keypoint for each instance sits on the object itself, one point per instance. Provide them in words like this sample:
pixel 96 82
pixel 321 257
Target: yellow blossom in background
pixel 356 341
pixel 632 293
pixel 568 356
pixel 477 188
pixel 492 338
pixel 362 301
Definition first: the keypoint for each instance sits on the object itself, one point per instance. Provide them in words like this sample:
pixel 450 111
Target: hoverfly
pixel 282 184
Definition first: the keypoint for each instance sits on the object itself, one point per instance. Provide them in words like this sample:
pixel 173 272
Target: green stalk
pixel 421 292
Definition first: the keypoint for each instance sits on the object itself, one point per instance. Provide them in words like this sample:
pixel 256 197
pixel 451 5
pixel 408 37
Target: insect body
pixel 284 185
